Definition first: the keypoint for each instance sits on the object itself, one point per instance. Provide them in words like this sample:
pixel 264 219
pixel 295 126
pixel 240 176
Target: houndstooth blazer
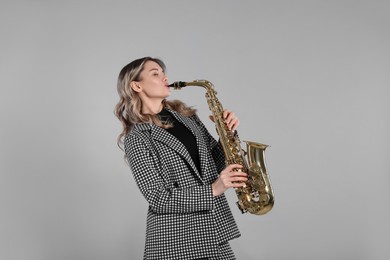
pixel 184 219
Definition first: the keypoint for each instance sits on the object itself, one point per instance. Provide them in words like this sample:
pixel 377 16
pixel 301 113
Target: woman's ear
pixel 135 86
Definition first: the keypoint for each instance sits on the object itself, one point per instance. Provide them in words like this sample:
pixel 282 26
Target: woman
pixel 178 166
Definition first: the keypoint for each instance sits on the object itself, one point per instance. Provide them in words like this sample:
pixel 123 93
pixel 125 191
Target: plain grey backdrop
pixel 309 78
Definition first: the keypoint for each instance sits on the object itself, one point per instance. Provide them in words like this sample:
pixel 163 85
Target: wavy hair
pixel 129 108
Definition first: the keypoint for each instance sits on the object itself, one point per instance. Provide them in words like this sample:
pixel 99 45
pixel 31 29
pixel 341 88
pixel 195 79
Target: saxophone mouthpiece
pixel 177 84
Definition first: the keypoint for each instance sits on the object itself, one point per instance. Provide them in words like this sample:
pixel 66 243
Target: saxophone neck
pixel 199 83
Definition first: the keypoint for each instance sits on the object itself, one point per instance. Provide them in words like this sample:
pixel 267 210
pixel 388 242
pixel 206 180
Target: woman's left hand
pixel 230 119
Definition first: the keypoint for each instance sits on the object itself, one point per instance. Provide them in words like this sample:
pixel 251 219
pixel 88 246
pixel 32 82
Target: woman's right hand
pixel 229 178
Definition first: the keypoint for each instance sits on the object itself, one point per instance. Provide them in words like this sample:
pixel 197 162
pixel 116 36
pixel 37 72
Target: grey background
pixel 310 78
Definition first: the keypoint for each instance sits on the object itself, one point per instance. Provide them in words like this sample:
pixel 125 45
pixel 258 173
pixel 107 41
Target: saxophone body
pixel 256 197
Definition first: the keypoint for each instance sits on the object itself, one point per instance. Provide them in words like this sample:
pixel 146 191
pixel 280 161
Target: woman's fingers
pixel 230 177
pixel 231 119
pixel 233 177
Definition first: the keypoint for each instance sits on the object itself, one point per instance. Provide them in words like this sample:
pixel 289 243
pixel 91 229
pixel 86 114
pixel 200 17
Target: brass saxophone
pixel 256 197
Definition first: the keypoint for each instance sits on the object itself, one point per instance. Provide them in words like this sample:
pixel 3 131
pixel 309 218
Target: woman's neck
pixel 152 108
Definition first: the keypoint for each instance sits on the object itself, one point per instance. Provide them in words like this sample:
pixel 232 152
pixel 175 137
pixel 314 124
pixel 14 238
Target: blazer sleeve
pixel 163 199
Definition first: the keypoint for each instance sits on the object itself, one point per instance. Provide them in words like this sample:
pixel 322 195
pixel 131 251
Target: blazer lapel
pixel 161 135
pixel 202 147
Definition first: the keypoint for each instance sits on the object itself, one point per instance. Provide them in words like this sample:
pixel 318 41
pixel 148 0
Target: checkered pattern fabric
pixel 184 220
pixel 225 253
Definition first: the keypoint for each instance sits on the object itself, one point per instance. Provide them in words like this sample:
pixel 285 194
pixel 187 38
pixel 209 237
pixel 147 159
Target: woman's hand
pixel 230 119
pixel 230 177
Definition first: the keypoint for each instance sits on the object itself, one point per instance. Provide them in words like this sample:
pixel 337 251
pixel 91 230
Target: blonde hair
pixel 129 108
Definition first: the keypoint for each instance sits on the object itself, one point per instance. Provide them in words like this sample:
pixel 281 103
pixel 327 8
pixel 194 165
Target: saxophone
pixel 256 197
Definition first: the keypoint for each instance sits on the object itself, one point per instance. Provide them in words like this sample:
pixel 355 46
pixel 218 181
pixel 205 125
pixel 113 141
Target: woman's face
pixel 153 83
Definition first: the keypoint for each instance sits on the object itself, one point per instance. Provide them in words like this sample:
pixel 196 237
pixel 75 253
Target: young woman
pixel 178 166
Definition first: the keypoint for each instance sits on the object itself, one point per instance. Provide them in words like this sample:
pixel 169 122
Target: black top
pixel 183 134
